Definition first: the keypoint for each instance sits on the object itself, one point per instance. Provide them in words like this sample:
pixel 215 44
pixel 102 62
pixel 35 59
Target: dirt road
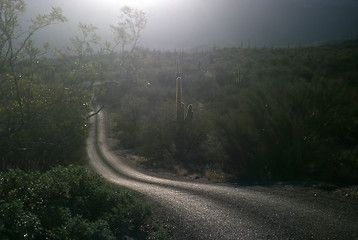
pixel 226 211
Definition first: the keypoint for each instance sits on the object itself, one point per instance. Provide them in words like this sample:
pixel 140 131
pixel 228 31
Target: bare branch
pixel 95 113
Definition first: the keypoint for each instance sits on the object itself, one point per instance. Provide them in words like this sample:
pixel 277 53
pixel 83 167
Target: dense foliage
pixel 45 92
pixel 42 117
pixel 45 98
pixel 258 113
pixel 70 203
pixel 49 130
pixel 295 115
pixel 267 114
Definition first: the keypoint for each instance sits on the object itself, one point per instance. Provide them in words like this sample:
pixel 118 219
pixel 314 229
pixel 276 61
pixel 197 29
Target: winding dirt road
pixel 225 211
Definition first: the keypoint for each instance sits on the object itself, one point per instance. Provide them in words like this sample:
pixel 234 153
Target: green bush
pixel 271 114
pixel 293 121
pixel 69 203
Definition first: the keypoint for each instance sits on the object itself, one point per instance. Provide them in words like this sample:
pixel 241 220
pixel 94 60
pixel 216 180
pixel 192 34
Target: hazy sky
pixel 189 23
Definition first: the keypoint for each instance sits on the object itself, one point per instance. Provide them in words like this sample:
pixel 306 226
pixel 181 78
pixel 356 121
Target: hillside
pixel 269 114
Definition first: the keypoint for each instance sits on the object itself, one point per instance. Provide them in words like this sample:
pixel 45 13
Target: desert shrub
pixel 287 114
pixel 293 121
pixel 69 203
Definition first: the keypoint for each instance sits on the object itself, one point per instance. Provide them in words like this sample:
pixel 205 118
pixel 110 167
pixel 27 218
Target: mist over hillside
pixel 185 24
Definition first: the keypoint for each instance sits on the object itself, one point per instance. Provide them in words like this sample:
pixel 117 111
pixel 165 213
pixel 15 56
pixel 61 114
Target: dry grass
pixel 137 159
pixel 213 175
pixel 180 171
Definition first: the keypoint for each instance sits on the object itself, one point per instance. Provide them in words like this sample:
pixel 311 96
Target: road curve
pixel 226 211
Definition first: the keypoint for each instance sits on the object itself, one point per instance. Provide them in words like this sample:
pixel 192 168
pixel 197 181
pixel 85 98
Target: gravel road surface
pixel 205 210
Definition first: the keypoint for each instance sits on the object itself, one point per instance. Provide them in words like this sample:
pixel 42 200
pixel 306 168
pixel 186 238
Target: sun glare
pixel 107 3
pixel 138 3
pixel 116 4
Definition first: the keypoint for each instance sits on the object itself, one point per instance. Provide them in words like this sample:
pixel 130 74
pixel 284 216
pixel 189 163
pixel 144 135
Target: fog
pixel 174 24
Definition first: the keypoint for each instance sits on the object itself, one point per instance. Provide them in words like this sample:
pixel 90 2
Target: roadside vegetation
pixel 70 203
pixel 247 113
pixel 259 113
pixel 46 94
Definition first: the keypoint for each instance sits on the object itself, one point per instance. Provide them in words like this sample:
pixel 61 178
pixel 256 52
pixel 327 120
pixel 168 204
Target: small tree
pixel 84 44
pixel 10 34
pixel 40 121
pixel 127 34
pixel 127 31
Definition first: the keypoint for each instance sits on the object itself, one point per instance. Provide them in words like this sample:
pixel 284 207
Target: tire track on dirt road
pixel 223 211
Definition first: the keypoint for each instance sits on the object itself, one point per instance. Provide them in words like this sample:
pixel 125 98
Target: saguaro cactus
pixel 183 126
pixel 179 104
pixel 181 117
pixel 238 75
pixel 189 113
